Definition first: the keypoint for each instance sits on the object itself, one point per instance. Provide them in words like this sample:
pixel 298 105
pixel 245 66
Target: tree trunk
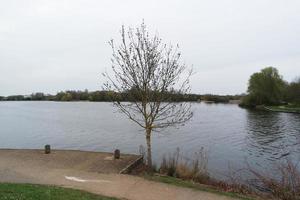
pixel 149 156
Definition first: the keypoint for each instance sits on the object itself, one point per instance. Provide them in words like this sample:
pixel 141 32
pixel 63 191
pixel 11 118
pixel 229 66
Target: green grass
pixel 195 186
pixel 10 191
pixel 285 108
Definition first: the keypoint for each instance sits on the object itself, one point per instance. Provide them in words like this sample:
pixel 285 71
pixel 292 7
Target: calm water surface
pixel 229 134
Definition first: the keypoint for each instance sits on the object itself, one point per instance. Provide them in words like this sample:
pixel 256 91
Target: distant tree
pixel 39 96
pixel 293 92
pixel 67 97
pixel 266 87
pixel 217 98
pixel 15 98
pixel 59 96
pixel 84 96
pixel 148 71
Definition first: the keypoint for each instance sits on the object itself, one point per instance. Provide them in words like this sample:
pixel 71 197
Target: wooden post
pixel 47 149
pixel 117 154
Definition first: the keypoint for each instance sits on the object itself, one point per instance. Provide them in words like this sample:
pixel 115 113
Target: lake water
pixel 229 134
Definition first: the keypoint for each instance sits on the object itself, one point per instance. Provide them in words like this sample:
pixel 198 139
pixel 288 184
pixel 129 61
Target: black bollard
pixel 117 154
pixel 47 149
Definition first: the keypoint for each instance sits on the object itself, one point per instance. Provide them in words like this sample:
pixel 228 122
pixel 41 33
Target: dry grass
pixel 195 170
pixel 286 186
pixel 188 169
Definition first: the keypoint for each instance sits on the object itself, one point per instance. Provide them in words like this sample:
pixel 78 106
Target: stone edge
pixel 132 165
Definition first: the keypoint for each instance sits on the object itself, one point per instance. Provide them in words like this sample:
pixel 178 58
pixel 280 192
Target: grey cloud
pixel 62 44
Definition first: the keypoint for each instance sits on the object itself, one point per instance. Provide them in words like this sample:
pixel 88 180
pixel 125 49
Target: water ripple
pixel 230 134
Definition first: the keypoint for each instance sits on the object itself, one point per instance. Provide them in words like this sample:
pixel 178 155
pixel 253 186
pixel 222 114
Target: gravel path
pixel 31 166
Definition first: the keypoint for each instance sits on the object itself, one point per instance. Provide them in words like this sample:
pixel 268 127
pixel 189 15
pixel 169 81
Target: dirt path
pixel 20 169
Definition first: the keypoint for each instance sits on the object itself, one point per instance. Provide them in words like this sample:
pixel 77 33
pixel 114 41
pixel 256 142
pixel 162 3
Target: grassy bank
pixel 10 191
pixel 284 108
pixel 192 185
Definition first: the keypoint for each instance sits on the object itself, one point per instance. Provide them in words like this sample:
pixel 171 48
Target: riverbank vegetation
pixel 9 191
pixel 268 88
pixel 292 108
pixel 195 170
pixel 282 183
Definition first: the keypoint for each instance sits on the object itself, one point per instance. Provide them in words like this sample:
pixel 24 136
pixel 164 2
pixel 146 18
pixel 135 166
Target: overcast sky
pixel 54 45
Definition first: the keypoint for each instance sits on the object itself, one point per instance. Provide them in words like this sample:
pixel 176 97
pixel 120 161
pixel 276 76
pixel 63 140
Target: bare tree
pixel 150 73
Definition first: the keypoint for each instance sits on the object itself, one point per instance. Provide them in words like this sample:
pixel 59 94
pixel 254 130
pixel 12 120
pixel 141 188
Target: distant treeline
pixel 106 96
pixel 268 88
